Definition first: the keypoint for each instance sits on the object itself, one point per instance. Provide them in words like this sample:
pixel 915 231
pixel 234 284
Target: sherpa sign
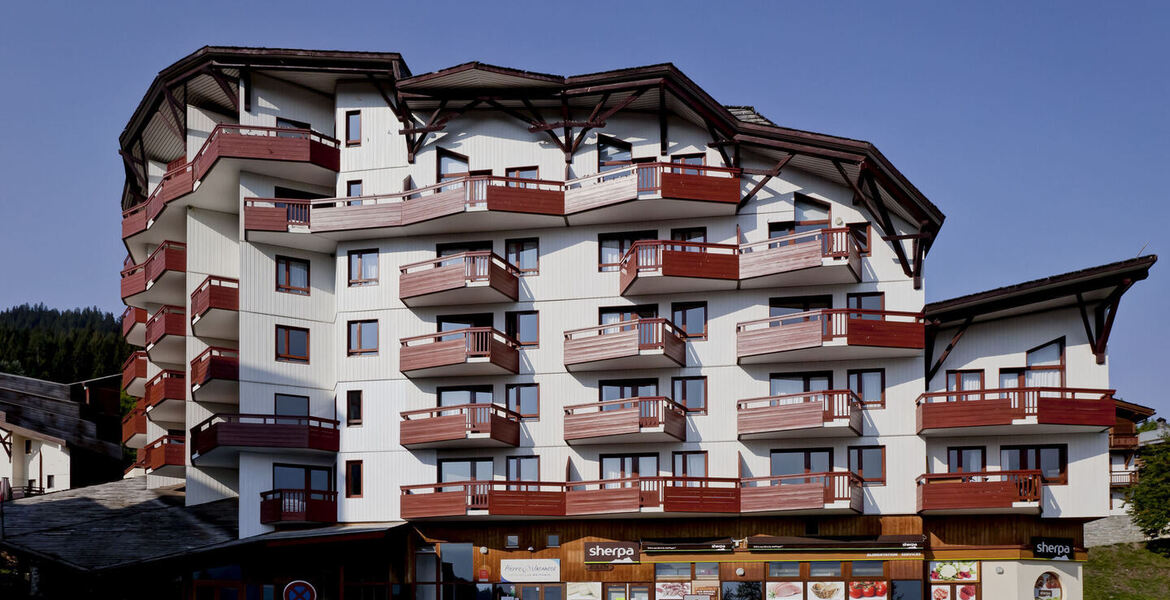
pixel 611 552
pixel 1052 548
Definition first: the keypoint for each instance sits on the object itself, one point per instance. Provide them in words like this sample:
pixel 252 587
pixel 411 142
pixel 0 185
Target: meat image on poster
pixel 671 590
pixel 784 590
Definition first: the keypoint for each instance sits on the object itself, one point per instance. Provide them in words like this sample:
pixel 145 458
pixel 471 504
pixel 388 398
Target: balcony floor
pixel 168 410
pixel 169 288
pixel 217 323
pixel 218 391
pixel 1017 427
pixel 829 272
pixel 473 292
pixel 837 428
pixel 830 351
pixel 169 349
pixel 657 283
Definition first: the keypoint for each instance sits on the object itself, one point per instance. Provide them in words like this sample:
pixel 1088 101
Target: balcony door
pixel 780 384
pixel 971 459
pixel 481 266
pixel 613 154
pixel 626 388
pixel 796 462
pixel 287 405
pixel 302 477
pixel 630 466
pixel 780 307
pixel 523 468
pixel 646 334
pixel 460 322
pixel 471 469
pixel 866 301
pixel 807 215
pixel 464 395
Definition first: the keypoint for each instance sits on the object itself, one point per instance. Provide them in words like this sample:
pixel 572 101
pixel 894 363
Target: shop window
pixel 824 569
pixel 706 570
pixel 553 541
pixel 909 589
pixel 511 541
pixel 672 570
pixel 743 590
pixel 867 568
pixel 784 569
pixel 456 562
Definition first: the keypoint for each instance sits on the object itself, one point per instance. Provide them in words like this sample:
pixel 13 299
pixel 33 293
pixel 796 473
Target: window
pixel 524 254
pixel 690 464
pixel 784 569
pixel 362 338
pixel 353 128
pixel 523 326
pixel 292 275
pixel 782 384
pixel 282 123
pixel 612 246
pixel 353 479
pixel 868 463
pixel 779 307
pixel 449 166
pixel 706 570
pixel 626 466
pixel 523 398
pixel 824 569
pixel 869 385
pixel 363 267
pixel 691 392
pixel 553 541
pixel 691 318
pixel 796 462
pixel 958 381
pixel 689 159
pixel 867 568
pixel 288 405
pixel 353 188
pixel 522 468
pixel 627 388
pixel 462 395
pixel 969 459
pixel 461 322
pixel 511 541
pixel 1045 365
pixel 292 344
pixel 300 477
pixel 866 301
pixel 1051 461
pixel 455 561
pixel 807 215
pixel 353 408
pixel 861 234
pixel 28 446
pixel 672 570
pixel 697 235
pixel 464 469
pixel 521 173
pixel 612 153
pixel 50 482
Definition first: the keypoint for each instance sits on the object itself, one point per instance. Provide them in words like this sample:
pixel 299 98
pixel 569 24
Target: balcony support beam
pixel 180 123
pixel 1103 317
pixel 768 175
pixel 931 334
pixel 224 85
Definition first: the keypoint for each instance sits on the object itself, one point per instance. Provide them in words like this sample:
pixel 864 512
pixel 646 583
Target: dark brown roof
pixel 749 114
pixel 1138 410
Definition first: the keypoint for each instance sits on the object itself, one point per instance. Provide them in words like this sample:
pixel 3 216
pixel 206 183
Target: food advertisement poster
pixel 583 590
pixel 826 590
pixel 877 590
pixel 671 590
pixel 954 592
pixel 940 592
pixel 956 571
pixel 708 589
pixel 784 590
pixel 1047 587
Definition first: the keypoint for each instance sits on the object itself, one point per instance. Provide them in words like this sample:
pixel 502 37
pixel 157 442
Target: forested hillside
pixel 63 346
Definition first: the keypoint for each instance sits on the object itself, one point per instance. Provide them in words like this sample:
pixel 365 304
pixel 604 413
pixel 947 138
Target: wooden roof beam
pixel 224 85
pixel 767 177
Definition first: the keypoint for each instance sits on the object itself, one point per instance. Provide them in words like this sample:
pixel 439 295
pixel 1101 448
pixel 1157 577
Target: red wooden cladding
pixel 298 506
pixel 134 423
pixel 168 320
pixel 215 363
pixel 132 317
pixel 800 492
pixel 1123 441
pixel 448 423
pixel 448 348
pixel 625 416
pixel 169 256
pixel 1123 478
pixel 215 292
pixel 456 271
pixel 989 407
pixel 625 339
pixel 679 259
pixel 977 490
pixel 169 450
pixel 799 251
pixel 134 368
pixel 798 411
pixel 175 182
pixel 858 327
pixel 264 431
pixel 166 385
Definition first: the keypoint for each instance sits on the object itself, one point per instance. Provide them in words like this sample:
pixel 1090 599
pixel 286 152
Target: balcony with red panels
pixel 646 343
pixel 166 456
pixel 166 336
pixel 652 192
pixel 470 351
pixel 215 308
pixel 134 427
pixel 134 374
pixel 836 492
pixel 830 334
pixel 460 426
pixel 828 413
pixel 298 507
pixel 215 376
pixel 134 326
pixel 629 420
pixel 819 257
pixel 160 279
pixel 166 396
pixel 465 278
pixel 1123 441
pixel 1015 411
pixel 982 492
pixel 669 267
pixel 218 441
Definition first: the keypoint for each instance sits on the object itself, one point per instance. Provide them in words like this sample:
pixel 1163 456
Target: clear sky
pixel 1039 128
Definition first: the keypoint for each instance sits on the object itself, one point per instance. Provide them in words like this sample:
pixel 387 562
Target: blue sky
pixel 1038 128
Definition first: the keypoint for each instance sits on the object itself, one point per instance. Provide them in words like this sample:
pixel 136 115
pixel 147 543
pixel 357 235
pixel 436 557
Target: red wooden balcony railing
pixel 168 320
pixel 978 490
pixel 458 347
pixel 688 182
pixel 679 259
pixel 166 451
pixel 134 368
pixel 264 431
pixel 810 329
pixel 802 250
pixel 457 271
pixel 215 363
pixel 1002 406
pixel 1123 441
pixel 627 339
pixel 1123 478
pixel 626 416
pixel 298 506
pixel 131 318
pixel 798 411
pixel 215 292
pixel 133 424
pixel 168 256
pixel 800 492
pixel 166 385
pixel 497 424
pixel 176 182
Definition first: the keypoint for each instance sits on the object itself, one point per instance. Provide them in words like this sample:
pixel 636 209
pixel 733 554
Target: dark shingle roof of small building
pixel 749 114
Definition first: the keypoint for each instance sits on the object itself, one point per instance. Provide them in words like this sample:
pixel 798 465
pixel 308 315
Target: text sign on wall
pixel 611 552
pixel 1052 548
pixel 530 570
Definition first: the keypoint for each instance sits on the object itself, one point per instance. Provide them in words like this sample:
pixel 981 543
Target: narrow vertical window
pixel 691 392
pixel 691 318
pixel 353 479
pixel 353 188
pixel 363 268
pixel 353 128
pixel 868 463
pixel 292 275
pixel 363 338
pixel 870 386
pixel 524 254
pixel 292 344
pixel 523 398
pixel 523 326
pixel 353 408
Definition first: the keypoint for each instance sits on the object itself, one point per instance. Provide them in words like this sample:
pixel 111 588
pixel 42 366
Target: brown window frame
pixel 1063 457
pixel 859 372
pixel 508 244
pixel 349 139
pixel 625 239
pixel 511 323
pixel 682 401
pixel 959 380
pixel 511 173
pixel 678 234
pixel 442 152
pixel 286 329
pixel 507 403
pixel 630 382
pixel 790 227
pixel 350 395
pixel 806 379
pixel 850 296
pixel 508 473
pixel 982 458
pixel 675 158
pixel 361 267
pixel 677 453
pixel 349 188
pixel 349 338
pixel 292 124
pixel 1063 359
pixel 676 307
pixel 867 249
pixel 874 481
pixel 609 140
pixel 287 288
pixel 350 479
pixel 808 452
pixel 634 463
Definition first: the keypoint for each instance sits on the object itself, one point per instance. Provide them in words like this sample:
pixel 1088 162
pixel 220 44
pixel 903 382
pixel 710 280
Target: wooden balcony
pixel 629 420
pixel 146 223
pixel 838 492
pixel 215 309
pixel 472 498
pixel 669 267
pixel 298 507
pixel 160 279
pixel 166 397
pixel 166 336
pixel 829 413
pixel 134 374
pixel 1123 441
pixel 1012 411
pixel 652 192
pixel 821 257
pixel 464 278
pixel 461 426
pixel 470 351
pixel 983 492
pixel 1122 478
pixel 215 376
pixel 166 456
pixel 134 427
pixel 134 326
pixel 218 441
pixel 637 344
pixel 830 334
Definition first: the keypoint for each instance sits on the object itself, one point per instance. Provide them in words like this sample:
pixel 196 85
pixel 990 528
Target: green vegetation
pixel 62 346
pixel 1149 498
pixel 1128 571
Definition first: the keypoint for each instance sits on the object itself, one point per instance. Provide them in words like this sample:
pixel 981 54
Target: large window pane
pixel 456 562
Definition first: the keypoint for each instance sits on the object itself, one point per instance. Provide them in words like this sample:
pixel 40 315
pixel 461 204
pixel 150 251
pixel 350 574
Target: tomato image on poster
pixel 869 589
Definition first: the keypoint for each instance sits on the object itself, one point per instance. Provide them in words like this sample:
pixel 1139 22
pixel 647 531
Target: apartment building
pixel 588 337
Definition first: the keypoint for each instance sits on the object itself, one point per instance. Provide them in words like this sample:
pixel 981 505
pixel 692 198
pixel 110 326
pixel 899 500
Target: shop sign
pixel 484 575
pixel 611 552
pixel 1052 548
pixel 718 545
pixel 530 570
pixel 1047 587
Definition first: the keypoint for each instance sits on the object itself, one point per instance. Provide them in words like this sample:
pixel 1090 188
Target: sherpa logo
pixel 1056 548
pixel 611 552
